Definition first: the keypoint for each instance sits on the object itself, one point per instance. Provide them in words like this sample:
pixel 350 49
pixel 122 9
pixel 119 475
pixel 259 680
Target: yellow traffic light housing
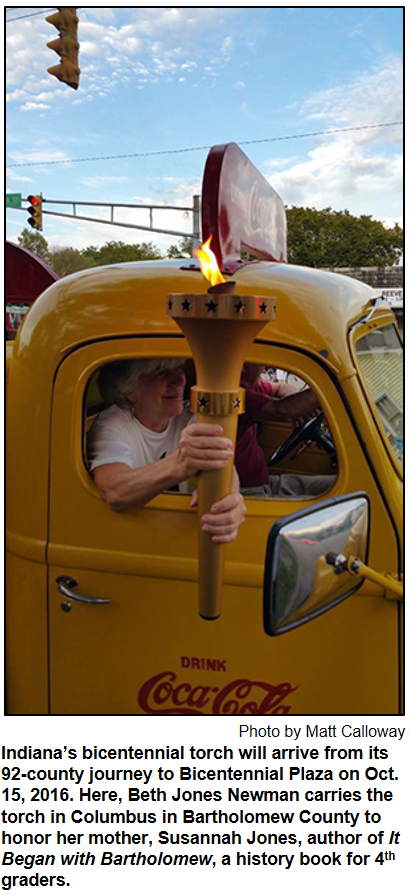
pixel 66 46
pixel 36 212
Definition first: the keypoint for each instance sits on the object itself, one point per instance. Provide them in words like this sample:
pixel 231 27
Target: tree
pixel 327 238
pixel 183 250
pixel 34 242
pixel 65 260
pixel 116 252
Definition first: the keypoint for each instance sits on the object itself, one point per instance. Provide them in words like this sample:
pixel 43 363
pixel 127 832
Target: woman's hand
pixel 203 447
pixel 224 518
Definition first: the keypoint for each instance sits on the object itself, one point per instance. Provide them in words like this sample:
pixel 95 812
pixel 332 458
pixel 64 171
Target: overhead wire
pixel 29 15
pixel 165 152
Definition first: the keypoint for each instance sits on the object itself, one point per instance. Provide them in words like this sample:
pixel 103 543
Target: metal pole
pixel 195 210
pixel 196 236
pixel 114 223
pixel 166 208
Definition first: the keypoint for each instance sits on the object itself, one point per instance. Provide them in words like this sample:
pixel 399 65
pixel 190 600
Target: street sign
pixel 13 200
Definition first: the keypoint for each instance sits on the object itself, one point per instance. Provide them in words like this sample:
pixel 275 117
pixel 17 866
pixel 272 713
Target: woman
pixel 147 441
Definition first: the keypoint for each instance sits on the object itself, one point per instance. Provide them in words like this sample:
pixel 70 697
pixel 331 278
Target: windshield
pixel 380 359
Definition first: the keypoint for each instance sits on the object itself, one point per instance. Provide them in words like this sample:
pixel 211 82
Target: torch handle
pixel 212 486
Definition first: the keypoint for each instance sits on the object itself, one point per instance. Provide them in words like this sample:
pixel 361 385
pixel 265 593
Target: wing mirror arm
pixel 356 567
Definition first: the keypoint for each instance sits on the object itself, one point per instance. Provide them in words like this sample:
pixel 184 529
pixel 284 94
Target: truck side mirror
pixel 300 582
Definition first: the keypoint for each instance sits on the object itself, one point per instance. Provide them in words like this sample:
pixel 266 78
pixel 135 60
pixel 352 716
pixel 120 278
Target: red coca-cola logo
pixel 164 695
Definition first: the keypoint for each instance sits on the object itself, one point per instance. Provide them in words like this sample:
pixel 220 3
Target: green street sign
pixel 13 200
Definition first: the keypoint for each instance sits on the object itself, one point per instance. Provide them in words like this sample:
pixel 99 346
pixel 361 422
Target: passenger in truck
pixel 268 402
pixel 147 441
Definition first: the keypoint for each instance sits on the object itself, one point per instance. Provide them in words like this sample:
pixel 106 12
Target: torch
pixel 220 326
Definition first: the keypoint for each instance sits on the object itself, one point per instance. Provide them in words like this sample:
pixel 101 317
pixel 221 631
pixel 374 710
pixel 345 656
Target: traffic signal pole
pixel 193 210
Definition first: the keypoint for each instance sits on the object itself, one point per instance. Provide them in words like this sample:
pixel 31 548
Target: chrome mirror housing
pixel 302 580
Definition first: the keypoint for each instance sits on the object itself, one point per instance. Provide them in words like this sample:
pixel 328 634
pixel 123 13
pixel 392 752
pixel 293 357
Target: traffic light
pixel 36 212
pixel 66 45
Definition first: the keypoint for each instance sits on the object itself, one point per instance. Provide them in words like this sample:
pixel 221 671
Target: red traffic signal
pixel 66 46
pixel 35 210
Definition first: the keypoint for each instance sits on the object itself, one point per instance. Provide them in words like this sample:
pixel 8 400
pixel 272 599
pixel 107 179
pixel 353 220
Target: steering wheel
pixel 310 431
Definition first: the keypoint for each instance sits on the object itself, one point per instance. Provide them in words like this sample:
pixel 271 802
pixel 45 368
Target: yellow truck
pixel 102 610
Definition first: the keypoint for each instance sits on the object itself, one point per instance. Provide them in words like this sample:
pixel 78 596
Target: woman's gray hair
pixel 121 378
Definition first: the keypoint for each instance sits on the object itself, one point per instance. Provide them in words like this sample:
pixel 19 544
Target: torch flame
pixel 209 264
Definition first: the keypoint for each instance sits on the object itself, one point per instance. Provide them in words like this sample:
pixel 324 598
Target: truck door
pixel 135 642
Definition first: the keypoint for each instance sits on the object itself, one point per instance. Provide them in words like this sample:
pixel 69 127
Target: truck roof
pixel 313 307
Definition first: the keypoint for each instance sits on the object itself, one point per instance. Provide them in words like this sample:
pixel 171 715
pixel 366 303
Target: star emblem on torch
pixel 236 403
pixel 203 404
pixel 263 308
pixel 186 304
pixel 211 305
pixel 239 307
pixel 170 305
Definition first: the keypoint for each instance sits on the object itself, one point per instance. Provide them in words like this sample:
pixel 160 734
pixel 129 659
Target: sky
pixel 160 79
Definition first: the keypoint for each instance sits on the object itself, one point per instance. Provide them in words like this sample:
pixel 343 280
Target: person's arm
pixel 291 408
pixel 201 447
pixel 123 488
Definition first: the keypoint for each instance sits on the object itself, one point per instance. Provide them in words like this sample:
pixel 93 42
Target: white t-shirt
pixel 117 437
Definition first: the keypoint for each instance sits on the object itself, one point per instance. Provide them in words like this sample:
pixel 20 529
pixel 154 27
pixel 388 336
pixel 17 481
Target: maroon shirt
pixel 249 457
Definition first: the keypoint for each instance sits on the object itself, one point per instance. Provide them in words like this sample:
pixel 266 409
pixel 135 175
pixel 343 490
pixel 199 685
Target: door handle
pixel 65 584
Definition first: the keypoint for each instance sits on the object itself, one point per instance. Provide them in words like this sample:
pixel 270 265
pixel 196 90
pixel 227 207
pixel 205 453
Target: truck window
pixel 279 454
pixel 380 359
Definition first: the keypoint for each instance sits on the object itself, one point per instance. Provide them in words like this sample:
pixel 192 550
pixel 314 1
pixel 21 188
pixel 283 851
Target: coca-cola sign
pixel 164 694
pixel 240 209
